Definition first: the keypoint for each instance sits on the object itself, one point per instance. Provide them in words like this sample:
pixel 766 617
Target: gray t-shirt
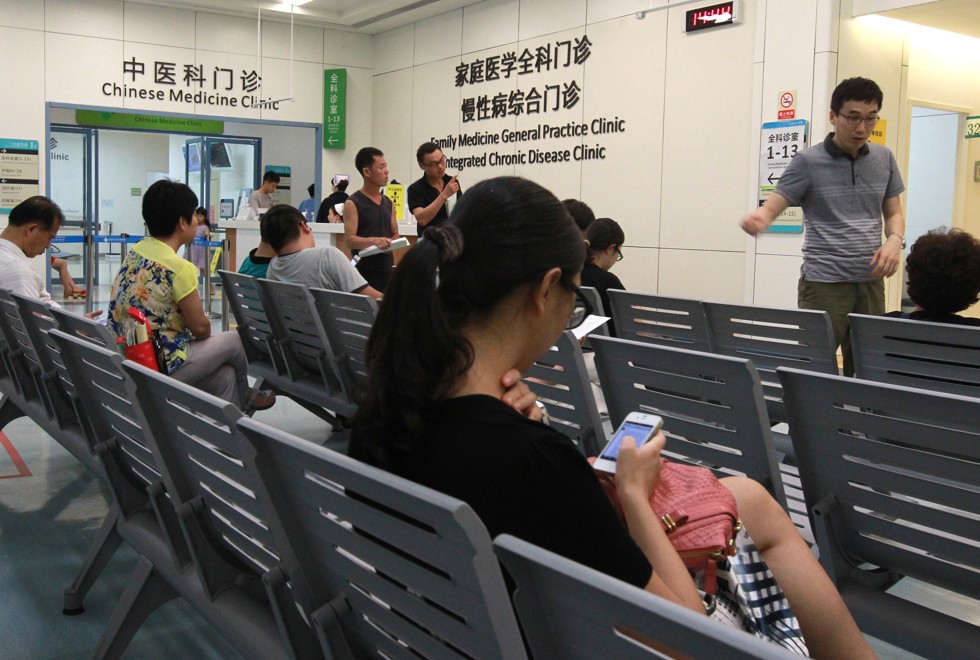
pixel 841 199
pixel 320 267
pixel 260 200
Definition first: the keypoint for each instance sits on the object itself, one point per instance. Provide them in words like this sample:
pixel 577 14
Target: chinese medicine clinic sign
pixel 183 82
pixel 781 140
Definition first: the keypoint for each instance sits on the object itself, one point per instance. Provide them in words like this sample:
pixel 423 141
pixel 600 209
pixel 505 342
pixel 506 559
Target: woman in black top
pixel 487 293
pixel 604 242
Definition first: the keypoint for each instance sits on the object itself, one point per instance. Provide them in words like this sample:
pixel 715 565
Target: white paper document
pixel 590 323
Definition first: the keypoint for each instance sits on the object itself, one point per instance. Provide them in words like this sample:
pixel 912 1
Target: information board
pixel 781 140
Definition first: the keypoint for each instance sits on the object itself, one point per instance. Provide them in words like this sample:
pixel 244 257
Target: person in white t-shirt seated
pixel 261 198
pixel 31 226
pixel 300 261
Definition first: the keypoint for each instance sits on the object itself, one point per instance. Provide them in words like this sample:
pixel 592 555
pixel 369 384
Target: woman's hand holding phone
pixel 638 468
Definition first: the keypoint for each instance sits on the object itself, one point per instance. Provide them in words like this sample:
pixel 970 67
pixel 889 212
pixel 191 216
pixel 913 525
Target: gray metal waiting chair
pixel 347 319
pixel 712 405
pixel 198 445
pixel 932 356
pixel 772 338
pixel 252 324
pixel 415 568
pixel 663 320
pixel 309 373
pixel 569 612
pixel 891 477
pixel 148 521
pixel 560 380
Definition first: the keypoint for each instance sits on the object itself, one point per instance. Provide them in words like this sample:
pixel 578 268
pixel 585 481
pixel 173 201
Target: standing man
pixel 845 187
pixel 262 197
pixel 31 226
pixel 369 219
pixel 428 196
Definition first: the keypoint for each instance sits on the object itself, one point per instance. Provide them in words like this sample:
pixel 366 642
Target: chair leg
pixel 145 592
pixel 8 412
pixel 96 559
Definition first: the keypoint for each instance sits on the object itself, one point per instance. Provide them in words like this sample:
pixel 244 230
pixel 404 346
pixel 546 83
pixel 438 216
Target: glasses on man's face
pixel 855 120
pixel 438 163
pixel 619 254
pixel 581 311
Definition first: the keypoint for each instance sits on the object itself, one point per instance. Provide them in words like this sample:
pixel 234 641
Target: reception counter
pixel 243 235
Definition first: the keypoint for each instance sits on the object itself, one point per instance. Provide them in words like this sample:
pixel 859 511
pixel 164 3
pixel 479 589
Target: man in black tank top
pixel 369 218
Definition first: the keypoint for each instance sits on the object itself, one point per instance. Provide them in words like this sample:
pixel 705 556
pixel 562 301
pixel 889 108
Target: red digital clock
pixel 705 18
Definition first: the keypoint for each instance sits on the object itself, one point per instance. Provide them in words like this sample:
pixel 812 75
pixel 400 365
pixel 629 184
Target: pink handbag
pixel 696 511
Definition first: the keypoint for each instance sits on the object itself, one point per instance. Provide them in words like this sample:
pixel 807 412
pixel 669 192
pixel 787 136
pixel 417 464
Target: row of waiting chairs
pixel 292 550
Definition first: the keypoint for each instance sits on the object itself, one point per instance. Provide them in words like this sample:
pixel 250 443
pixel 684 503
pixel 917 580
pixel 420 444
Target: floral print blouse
pixel 154 279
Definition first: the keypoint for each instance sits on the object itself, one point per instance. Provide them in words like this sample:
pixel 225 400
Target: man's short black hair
pixel 37 209
pixel 425 149
pixel 581 213
pixel 365 158
pixel 270 176
pixel 280 225
pixel 855 89
pixel 311 189
pixel 164 204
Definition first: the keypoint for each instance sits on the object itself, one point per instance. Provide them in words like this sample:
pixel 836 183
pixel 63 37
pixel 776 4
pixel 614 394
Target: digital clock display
pixel 705 18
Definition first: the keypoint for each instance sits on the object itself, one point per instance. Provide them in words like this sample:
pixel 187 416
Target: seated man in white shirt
pixel 30 227
pixel 261 198
pixel 300 261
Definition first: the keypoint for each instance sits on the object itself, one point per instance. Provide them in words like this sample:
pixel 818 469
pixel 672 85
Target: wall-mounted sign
pixel 19 167
pixel 879 132
pixel 396 193
pixel 713 16
pixel 334 108
pixel 781 140
pixel 149 122
pixel 972 127
pixel 787 104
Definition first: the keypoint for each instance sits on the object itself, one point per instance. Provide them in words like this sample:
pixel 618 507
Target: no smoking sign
pixel 787 104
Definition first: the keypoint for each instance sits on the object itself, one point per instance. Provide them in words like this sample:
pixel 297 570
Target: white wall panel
pixel 776 278
pixel 307 42
pixel 608 9
pixel 306 89
pixel 706 144
pixel 394 50
pixel 28 14
pixel 435 113
pixel 24 119
pixel 490 23
pixel 392 132
pixel 789 31
pixel 95 18
pixel 702 274
pixel 227 34
pixel 159 25
pixel 348 49
pixel 543 17
pixel 626 184
pixel 439 37
pixel 76 67
pixel 639 269
pixel 238 64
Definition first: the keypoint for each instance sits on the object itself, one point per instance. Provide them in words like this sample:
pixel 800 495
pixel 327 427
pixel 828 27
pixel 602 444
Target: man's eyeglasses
pixel 581 311
pixel 441 161
pixel 619 254
pixel 855 120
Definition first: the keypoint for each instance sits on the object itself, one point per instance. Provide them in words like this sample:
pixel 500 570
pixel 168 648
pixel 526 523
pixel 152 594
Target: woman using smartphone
pixel 484 295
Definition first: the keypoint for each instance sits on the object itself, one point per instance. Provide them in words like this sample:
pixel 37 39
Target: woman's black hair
pixel 164 204
pixel 503 234
pixel 944 271
pixel 601 235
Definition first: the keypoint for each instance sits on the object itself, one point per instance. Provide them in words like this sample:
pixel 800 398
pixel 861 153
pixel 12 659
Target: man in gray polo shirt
pixel 300 261
pixel 845 186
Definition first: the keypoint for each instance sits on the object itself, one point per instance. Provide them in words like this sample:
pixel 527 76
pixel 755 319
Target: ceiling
pixel 961 16
pixel 367 16
pixel 374 16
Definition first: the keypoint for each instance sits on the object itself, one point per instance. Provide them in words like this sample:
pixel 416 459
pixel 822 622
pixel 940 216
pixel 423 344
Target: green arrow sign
pixel 334 108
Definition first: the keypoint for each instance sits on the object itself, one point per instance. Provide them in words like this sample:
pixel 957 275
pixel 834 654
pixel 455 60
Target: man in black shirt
pixel 428 196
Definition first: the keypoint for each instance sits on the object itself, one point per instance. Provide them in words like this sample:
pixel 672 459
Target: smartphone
pixel 640 426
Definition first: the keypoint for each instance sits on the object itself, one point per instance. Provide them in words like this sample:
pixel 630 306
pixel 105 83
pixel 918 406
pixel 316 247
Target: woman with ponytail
pixel 470 307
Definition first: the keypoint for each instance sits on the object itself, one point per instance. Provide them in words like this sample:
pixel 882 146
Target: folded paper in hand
pixel 396 244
